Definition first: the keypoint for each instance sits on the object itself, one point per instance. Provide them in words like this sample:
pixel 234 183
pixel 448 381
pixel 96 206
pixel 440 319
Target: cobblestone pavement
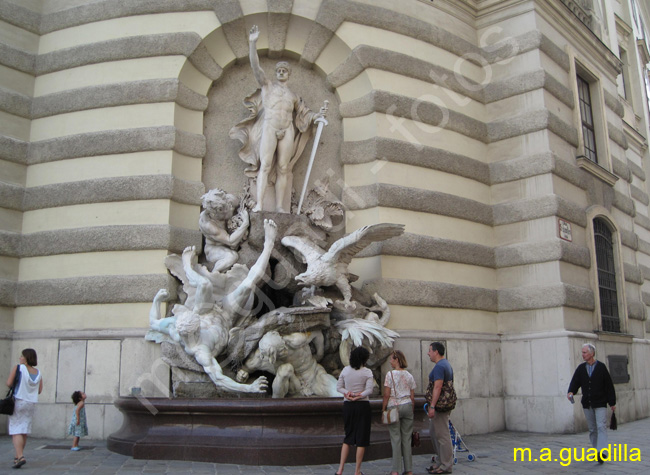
pixel 494 454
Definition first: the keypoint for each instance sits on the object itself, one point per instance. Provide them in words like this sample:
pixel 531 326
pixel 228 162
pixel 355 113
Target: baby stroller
pixel 456 442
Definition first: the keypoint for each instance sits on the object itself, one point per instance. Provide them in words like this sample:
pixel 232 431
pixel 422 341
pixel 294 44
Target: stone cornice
pixel 464 10
pixel 643 51
pixel 548 334
pixel 622 26
pixel 473 11
pixel 579 11
pixel 495 11
pixel 557 14
pixel 89 334
pixel 597 170
pixel 635 139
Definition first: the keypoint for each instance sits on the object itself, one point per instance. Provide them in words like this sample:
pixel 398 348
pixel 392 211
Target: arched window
pixel 606 276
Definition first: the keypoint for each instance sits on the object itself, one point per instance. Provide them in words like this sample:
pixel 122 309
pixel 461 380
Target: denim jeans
pixel 597 423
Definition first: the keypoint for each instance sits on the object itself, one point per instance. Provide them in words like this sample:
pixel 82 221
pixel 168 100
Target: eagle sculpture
pixel 325 268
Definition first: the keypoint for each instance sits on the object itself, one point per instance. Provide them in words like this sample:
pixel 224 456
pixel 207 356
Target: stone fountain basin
pixel 248 431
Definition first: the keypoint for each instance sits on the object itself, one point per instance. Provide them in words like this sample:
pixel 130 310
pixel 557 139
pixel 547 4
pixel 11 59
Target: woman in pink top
pixel 356 384
pixel 399 387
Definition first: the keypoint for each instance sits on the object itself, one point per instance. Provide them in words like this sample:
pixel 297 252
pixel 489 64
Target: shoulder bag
pixel 8 403
pixel 391 414
pixel 447 399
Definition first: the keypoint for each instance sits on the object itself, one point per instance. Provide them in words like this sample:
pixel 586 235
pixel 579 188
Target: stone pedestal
pixel 301 431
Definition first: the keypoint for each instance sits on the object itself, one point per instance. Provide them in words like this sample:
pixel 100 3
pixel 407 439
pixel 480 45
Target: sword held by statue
pixel 321 121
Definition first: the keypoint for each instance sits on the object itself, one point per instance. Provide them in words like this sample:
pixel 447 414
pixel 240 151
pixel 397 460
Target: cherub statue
pixel 203 329
pixel 221 246
pixel 296 369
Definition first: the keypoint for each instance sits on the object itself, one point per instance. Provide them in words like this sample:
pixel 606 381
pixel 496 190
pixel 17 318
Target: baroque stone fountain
pixel 264 317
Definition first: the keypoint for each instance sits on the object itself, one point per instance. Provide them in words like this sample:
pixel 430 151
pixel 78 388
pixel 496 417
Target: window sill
pixel 596 170
pixel 614 337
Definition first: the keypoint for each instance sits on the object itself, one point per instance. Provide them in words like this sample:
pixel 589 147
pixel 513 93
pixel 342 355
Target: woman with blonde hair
pixel 399 391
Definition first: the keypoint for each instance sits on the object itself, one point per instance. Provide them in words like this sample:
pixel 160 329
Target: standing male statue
pixel 275 133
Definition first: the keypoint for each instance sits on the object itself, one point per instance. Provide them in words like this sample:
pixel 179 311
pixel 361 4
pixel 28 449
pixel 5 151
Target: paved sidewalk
pixel 494 454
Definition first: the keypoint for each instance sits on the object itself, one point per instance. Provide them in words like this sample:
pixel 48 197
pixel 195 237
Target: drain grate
pixel 65 447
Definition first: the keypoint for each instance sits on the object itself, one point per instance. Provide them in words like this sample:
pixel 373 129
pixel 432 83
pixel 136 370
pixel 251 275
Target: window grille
pixel 606 277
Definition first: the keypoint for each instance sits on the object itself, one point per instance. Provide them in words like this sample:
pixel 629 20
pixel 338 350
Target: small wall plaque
pixel 618 368
pixel 565 230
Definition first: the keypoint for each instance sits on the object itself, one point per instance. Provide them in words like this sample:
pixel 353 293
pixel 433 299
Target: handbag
pixel 447 399
pixel 415 439
pixel 9 402
pixel 613 424
pixel 391 414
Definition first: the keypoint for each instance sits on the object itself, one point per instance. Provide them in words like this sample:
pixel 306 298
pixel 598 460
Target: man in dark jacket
pixel 597 391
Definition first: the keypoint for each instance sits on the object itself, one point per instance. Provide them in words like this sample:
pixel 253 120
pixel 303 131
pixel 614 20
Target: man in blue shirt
pixel 439 421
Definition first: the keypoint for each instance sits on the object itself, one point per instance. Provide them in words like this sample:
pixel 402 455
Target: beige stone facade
pixel 460 119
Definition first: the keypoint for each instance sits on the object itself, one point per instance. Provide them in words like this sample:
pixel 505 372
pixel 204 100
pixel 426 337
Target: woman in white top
pixel 399 387
pixel 29 387
pixel 356 384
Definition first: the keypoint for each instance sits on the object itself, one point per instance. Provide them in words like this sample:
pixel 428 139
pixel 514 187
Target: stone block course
pixel 110 9
pixel 144 187
pixel 112 95
pixel 107 238
pixel 117 141
pixel 17 59
pixel 397 151
pixel 143 46
pixel 89 290
pixel 23 18
pixel 15 103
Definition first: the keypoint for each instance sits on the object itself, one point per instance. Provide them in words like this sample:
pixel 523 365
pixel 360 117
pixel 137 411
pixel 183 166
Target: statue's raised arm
pixel 258 72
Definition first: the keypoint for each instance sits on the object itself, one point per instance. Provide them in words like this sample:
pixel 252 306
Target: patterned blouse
pixel 400 390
